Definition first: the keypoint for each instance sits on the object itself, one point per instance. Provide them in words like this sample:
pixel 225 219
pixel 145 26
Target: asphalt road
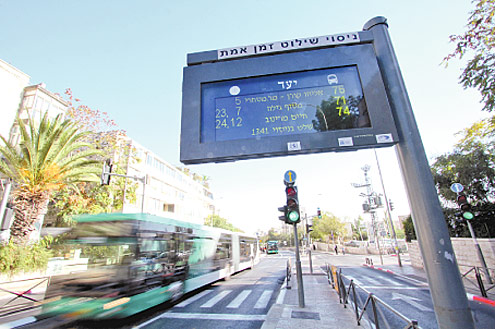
pixel 408 294
pixel 241 302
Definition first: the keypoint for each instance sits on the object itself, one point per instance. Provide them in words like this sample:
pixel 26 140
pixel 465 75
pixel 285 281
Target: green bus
pixel 272 247
pixel 137 261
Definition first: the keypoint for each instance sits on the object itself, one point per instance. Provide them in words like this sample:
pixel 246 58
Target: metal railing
pixel 20 295
pixel 480 276
pixel 288 273
pixel 348 295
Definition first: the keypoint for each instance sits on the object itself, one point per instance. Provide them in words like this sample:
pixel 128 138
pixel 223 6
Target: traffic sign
pixel 290 177
pixel 456 188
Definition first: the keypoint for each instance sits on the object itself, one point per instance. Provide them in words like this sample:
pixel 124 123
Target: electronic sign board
pixel 318 100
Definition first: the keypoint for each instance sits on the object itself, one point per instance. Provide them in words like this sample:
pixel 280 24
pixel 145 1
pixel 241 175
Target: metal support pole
pixel 5 198
pixel 300 288
pixel 144 193
pixel 310 261
pixel 447 291
pixel 396 245
pixel 371 202
pixel 479 252
pixel 373 223
pixel 142 179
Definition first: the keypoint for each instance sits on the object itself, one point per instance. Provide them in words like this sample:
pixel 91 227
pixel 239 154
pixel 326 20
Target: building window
pixel 149 160
pixel 168 207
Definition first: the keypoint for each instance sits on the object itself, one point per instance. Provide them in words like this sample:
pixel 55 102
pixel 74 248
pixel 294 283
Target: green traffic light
pixel 293 216
pixel 468 215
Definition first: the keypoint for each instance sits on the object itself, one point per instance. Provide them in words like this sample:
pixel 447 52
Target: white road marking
pixel 410 300
pixel 216 299
pixel 264 299
pixel 206 316
pixel 393 288
pixel 193 298
pixel 239 299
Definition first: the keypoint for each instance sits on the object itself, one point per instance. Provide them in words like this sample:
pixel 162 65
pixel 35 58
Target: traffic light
pixel 318 212
pixel 105 173
pixel 391 204
pixel 309 226
pixel 284 216
pixel 464 206
pixel 293 216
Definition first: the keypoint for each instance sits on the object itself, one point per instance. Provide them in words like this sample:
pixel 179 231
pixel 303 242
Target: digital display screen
pixel 283 104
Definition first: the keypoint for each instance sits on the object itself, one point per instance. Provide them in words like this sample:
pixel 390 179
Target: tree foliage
pixel 93 198
pixel 217 221
pixel 409 231
pixel 51 156
pixel 472 164
pixel 327 226
pixel 358 231
pixel 281 237
pixel 478 40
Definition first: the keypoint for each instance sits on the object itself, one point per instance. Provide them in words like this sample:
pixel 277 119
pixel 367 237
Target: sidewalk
pixel 322 307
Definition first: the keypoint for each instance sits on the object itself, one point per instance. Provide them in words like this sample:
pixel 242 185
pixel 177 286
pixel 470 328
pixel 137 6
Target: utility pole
pixel 371 205
pixel 394 236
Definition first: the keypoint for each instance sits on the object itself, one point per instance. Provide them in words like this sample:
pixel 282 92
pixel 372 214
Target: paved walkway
pixel 322 308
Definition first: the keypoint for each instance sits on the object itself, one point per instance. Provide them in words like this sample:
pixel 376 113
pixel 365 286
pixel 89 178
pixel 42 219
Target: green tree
pixel 358 233
pixel 471 163
pixel 478 41
pixel 326 226
pixel 92 198
pixel 341 113
pixel 409 231
pixel 51 155
pixel 217 221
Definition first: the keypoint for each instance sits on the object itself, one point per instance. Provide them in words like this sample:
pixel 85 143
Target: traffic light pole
pixel 300 288
pixel 142 179
pixel 447 291
pixel 308 244
pixel 478 251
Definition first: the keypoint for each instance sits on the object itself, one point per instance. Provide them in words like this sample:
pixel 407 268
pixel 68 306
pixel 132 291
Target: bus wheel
pixel 177 289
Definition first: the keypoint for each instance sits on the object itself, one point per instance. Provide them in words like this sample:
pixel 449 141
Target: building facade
pixel 168 192
pixel 36 101
pixel 12 84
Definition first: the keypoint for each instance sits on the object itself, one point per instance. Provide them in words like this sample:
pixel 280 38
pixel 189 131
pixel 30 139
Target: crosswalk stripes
pixel 240 298
pixel 216 299
pixel 264 299
pixel 193 298
pixel 381 283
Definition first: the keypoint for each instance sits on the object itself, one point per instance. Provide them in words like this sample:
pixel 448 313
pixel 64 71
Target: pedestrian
pixel 336 250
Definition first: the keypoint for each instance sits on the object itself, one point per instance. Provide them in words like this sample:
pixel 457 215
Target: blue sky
pixel 126 58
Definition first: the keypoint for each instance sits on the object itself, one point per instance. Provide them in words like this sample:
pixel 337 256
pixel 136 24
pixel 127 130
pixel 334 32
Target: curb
pixel 480 299
pixel 471 297
pixel 394 273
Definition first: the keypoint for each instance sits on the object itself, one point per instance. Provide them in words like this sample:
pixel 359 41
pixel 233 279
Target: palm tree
pixel 50 156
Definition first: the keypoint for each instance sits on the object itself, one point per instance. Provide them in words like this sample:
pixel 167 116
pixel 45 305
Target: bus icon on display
pixel 332 79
